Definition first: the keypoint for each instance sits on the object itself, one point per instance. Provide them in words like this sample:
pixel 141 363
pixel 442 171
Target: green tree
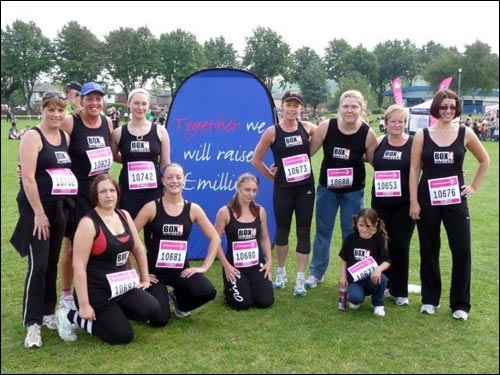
pixel 180 56
pixel 28 54
pixel 132 57
pixel 395 59
pixel 362 61
pixel 445 65
pixel 335 52
pixel 267 56
pixel 310 74
pixel 9 80
pixel 79 54
pixel 479 68
pixel 220 54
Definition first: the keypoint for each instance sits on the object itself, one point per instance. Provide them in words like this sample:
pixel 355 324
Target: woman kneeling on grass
pixel 108 294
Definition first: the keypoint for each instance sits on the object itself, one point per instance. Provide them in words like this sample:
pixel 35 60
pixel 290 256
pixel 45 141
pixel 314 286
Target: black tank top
pixel 109 252
pixel 144 148
pixel 85 139
pixel 166 227
pixel 393 158
pixel 288 144
pixel 238 231
pixel 440 161
pixel 344 151
pixel 49 157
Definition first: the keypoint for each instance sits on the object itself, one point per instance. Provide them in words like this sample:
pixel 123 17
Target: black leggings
pixel 301 200
pixel 112 323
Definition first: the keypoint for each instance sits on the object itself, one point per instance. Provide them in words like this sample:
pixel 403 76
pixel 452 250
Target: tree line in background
pixel 131 57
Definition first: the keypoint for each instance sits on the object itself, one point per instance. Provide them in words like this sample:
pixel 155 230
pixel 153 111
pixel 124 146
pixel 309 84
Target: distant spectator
pixel 10 116
pixel 13 132
pixel 72 91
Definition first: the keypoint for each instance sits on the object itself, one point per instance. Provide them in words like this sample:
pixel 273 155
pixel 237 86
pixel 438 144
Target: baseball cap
pixel 92 87
pixel 292 95
pixel 73 85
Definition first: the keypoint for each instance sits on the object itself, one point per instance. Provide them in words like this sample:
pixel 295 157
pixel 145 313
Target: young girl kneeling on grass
pixel 364 259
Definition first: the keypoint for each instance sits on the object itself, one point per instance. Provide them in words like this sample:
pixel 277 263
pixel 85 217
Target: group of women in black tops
pixel 66 192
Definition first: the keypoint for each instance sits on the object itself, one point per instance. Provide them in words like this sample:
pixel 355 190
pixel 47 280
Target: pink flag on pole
pixel 444 85
pixel 397 91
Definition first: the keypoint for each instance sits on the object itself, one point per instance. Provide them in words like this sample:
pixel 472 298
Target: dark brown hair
pixel 439 97
pixel 93 188
pixel 370 216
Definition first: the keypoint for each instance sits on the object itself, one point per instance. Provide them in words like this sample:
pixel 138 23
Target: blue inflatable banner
pixel 216 119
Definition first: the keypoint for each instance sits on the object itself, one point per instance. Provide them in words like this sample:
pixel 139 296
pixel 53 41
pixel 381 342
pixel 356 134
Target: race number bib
pixel 297 168
pixel 141 175
pixel 122 282
pixel 171 254
pixel 444 191
pixel 387 183
pixel 245 253
pixel 64 181
pixel 339 177
pixel 363 269
pixel 100 160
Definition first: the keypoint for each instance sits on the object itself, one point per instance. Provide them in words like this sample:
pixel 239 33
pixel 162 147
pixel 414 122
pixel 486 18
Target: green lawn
pixel 296 335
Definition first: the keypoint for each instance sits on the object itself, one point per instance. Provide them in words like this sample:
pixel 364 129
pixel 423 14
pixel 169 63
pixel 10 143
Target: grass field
pixel 296 335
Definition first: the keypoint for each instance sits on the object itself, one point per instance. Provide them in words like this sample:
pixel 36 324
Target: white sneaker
pixel 300 290
pixel 402 301
pixel 67 302
pixel 352 306
pixel 280 281
pixel 312 282
pixel 178 313
pixel 33 337
pixel 460 315
pixel 428 309
pixel 64 326
pixel 50 321
pixel 379 311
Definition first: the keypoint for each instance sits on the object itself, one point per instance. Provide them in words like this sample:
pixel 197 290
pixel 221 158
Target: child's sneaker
pixel 379 311
pixel 300 289
pixel 33 337
pixel 280 281
pixel 352 306
pixel 67 302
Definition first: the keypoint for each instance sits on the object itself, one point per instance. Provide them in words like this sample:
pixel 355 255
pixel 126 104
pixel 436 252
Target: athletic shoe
pixel 64 326
pixel 352 306
pixel 67 302
pixel 33 337
pixel 178 313
pixel 402 301
pixel 460 315
pixel 300 289
pixel 50 321
pixel 428 309
pixel 312 282
pixel 280 281
pixel 379 311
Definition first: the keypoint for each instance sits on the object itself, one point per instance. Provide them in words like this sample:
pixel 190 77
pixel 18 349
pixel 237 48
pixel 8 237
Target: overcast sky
pixel 312 24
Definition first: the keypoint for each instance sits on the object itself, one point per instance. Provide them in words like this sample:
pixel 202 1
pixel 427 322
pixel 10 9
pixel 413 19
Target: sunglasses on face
pixel 53 94
pixel 445 107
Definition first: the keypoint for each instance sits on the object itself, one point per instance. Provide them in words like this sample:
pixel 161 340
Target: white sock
pixel 281 270
pixel 301 276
